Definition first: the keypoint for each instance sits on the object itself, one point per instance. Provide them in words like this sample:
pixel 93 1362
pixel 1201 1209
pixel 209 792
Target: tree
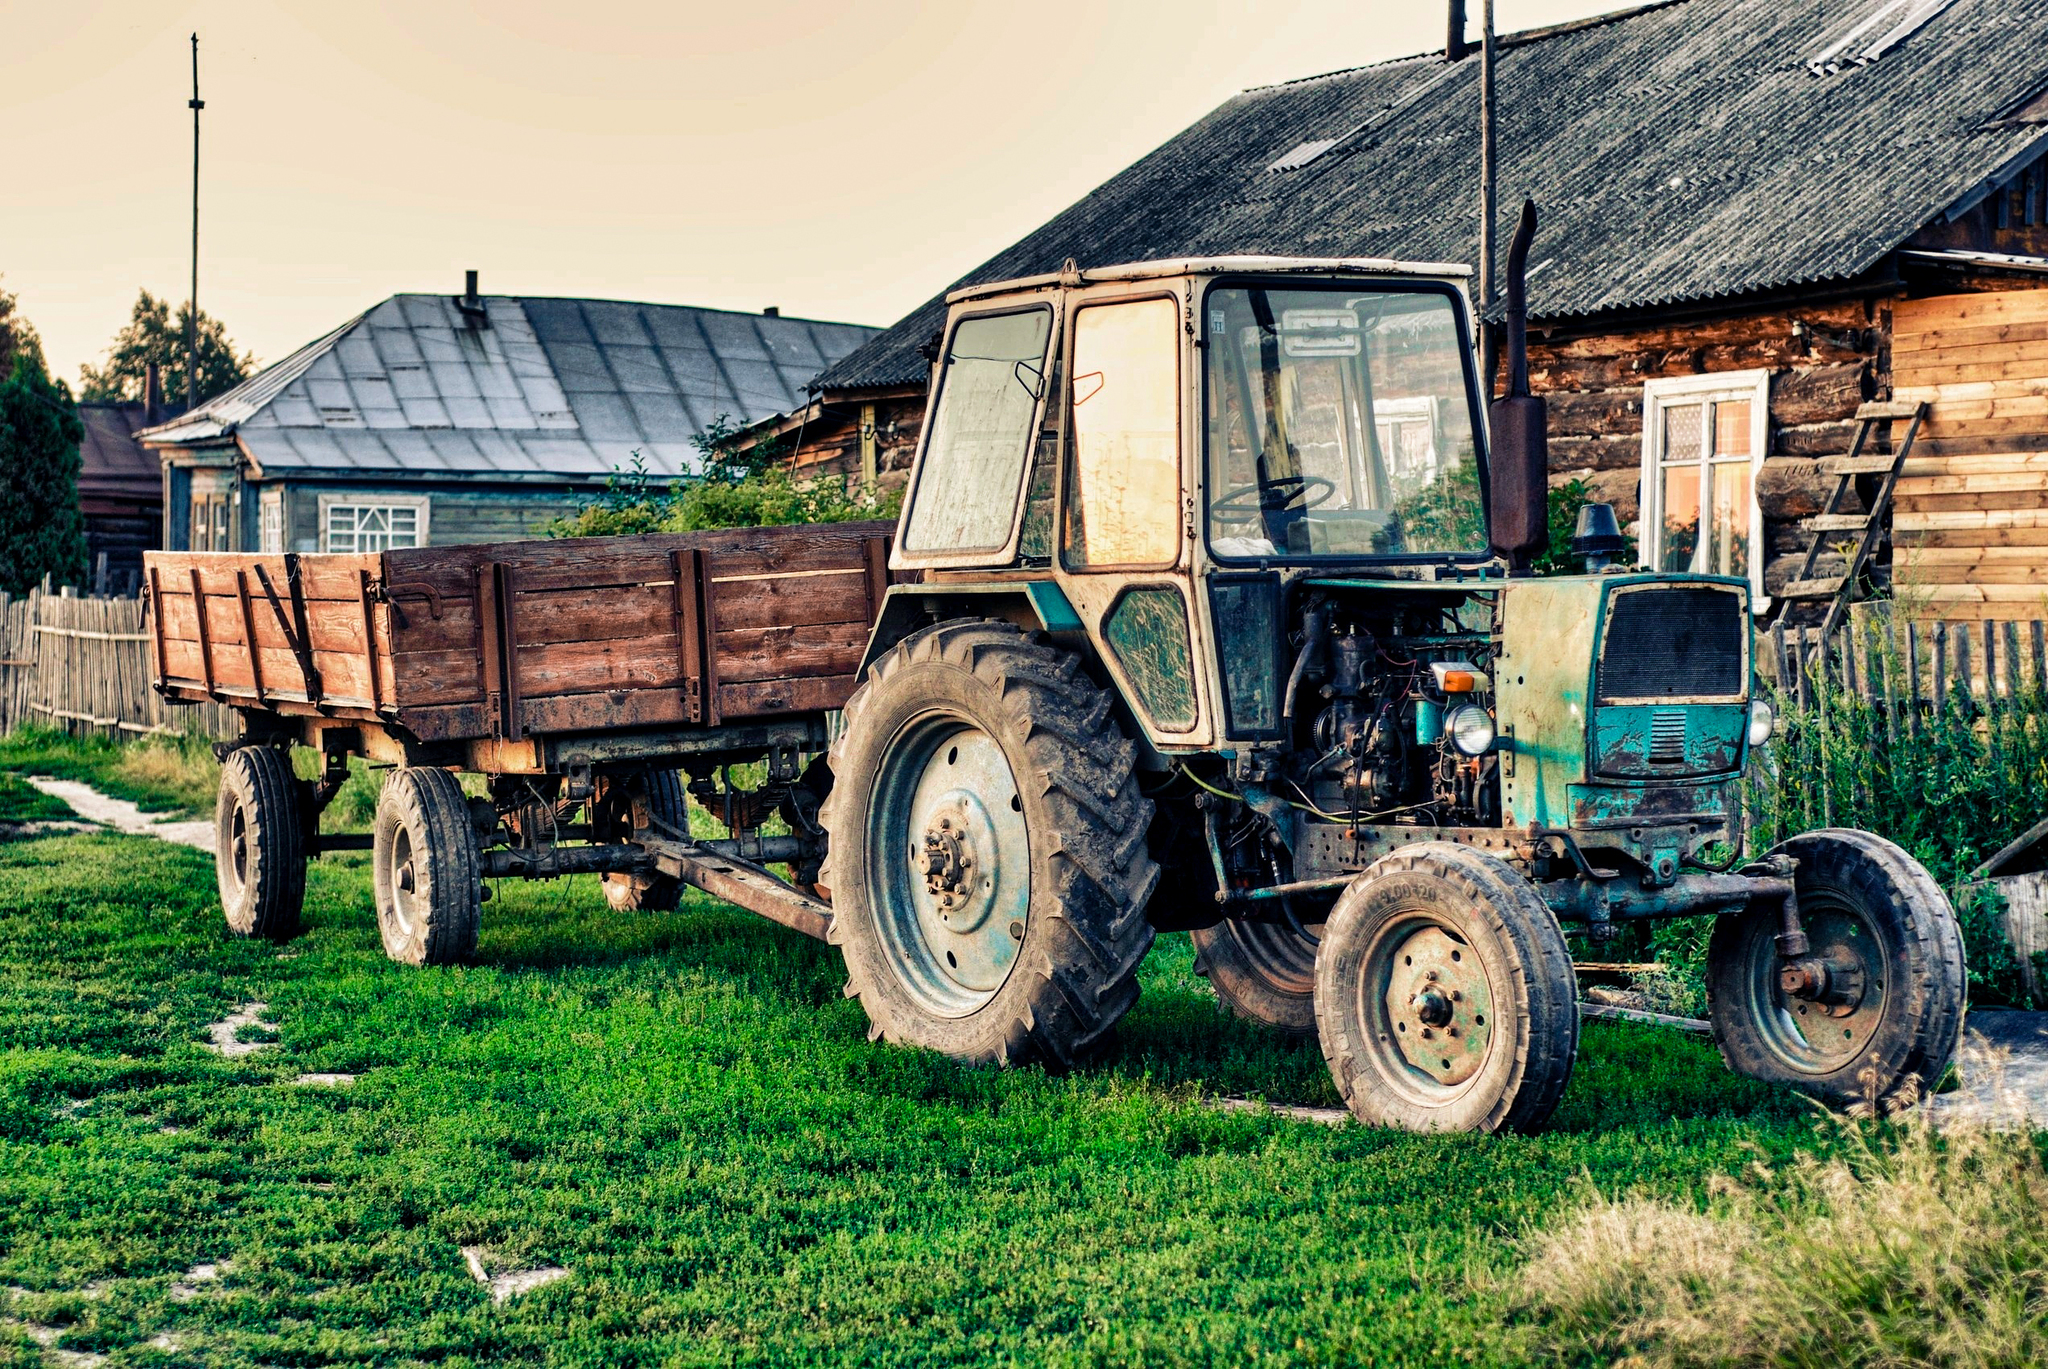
pixel 42 531
pixel 151 334
pixel 17 335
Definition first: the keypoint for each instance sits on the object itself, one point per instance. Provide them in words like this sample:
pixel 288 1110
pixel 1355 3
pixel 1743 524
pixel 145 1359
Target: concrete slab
pixel 123 816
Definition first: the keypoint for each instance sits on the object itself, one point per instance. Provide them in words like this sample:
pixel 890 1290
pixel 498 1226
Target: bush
pixel 1558 558
pixel 740 488
pixel 1910 1247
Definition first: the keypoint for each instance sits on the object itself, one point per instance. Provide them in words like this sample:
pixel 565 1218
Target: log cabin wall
pixel 1971 518
pixel 831 443
pixel 1825 359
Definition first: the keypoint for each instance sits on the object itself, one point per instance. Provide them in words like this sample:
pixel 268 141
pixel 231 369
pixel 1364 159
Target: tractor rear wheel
pixel 260 843
pixel 987 854
pixel 1263 972
pixel 1874 1030
pixel 424 870
pixel 1444 995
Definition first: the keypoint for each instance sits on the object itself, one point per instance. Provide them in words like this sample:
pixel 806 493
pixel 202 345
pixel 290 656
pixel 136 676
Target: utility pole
pixel 1489 350
pixel 192 299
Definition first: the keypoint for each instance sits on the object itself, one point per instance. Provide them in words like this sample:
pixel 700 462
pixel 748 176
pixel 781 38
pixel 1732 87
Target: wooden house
pixel 433 419
pixel 1757 218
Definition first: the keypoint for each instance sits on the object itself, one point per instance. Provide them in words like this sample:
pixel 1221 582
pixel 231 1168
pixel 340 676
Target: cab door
pixel 1123 545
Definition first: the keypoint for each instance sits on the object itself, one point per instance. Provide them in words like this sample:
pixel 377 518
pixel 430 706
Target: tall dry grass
pixel 1908 1245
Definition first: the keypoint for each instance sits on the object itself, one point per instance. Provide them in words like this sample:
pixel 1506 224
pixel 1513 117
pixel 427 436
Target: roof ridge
pixel 1516 39
pixel 646 304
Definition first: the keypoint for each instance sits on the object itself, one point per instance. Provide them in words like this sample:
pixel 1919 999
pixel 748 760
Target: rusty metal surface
pixel 742 883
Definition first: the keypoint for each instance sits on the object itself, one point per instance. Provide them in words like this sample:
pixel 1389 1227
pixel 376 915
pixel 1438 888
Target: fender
pixel 1034 604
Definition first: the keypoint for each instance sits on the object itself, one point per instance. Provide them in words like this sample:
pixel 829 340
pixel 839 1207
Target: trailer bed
pixel 514 640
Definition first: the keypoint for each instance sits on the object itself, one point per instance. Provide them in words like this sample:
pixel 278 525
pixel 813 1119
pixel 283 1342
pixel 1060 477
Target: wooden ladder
pixel 1839 588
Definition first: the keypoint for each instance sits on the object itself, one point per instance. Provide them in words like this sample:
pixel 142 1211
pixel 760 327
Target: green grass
pixel 21 802
pixel 173 775
pixel 685 1112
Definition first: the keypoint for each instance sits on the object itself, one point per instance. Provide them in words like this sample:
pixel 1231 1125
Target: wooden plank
pixel 546 668
pixel 508 645
pixel 593 712
pixel 1912 680
pixel 1978 335
pixel 1970 391
pixel 2040 655
pixel 621 613
pixel 1941 556
pixel 761 697
pixel 1881 410
pixel 422 678
pixel 795 601
pixel 777 653
pixel 2013 684
pixel 202 628
pixel 369 636
pixel 1858 465
pixel 1939 631
pixel 1822 588
pixel 1971 310
pixel 709 592
pixel 1945 520
pixel 1987 501
pixel 1838 522
pixel 1912 360
pixel 248 624
pixel 2033 481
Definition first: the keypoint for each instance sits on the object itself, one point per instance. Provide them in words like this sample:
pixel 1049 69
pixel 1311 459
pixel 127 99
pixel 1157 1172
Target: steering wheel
pixel 1247 502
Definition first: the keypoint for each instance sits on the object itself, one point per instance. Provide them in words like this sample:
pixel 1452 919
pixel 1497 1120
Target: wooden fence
pixel 1909 667
pixel 83 664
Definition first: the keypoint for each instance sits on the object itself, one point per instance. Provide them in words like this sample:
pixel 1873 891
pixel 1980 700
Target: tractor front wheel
pixel 1877 1006
pixel 1444 995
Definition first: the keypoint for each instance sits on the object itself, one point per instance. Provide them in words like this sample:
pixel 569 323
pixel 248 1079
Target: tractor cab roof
pixel 1072 276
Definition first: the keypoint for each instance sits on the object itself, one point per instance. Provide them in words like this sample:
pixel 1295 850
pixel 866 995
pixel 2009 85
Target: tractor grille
pixel 1673 644
pixel 1667 736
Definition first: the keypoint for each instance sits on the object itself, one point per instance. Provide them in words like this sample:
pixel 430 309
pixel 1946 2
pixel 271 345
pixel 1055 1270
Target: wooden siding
pixel 1824 360
pixel 830 444
pixel 1971 520
pixel 477 511
pixel 507 639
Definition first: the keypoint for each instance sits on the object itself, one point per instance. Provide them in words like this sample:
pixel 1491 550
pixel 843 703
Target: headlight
pixel 1761 721
pixel 1470 729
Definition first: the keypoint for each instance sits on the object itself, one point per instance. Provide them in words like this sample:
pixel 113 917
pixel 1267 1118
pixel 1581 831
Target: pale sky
pixel 840 160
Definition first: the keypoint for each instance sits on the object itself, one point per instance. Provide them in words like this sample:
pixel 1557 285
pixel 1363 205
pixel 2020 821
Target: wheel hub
pixel 1438 1005
pixel 961 860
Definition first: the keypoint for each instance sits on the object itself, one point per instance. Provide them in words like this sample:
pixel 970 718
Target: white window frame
pixel 270 521
pixel 420 503
pixel 1678 391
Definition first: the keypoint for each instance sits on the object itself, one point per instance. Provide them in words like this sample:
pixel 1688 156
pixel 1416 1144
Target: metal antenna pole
pixel 192 299
pixel 1490 333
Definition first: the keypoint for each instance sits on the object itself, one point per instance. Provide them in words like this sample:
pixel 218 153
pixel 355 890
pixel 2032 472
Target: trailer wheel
pixel 424 869
pixel 260 843
pixel 987 857
pixel 1887 1019
pixel 667 803
pixel 1263 972
pixel 1444 995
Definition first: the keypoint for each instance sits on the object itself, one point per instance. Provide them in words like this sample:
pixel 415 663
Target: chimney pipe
pixel 469 288
pixel 152 393
pixel 772 311
pixel 1455 46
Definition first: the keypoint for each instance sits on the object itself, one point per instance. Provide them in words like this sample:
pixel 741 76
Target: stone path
pixel 123 816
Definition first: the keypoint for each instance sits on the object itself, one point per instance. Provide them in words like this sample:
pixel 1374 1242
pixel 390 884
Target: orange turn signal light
pixel 1459 682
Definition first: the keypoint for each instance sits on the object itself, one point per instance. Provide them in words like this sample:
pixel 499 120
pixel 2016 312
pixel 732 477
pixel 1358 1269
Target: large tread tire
pixel 260 843
pixel 1075 971
pixel 668 803
pixel 1920 1023
pixel 425 870
pixel 1261 972
pixel 1478 902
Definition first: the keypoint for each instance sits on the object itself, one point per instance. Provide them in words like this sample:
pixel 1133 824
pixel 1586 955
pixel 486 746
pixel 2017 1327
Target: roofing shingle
pixel 551 387
pixel 1679 151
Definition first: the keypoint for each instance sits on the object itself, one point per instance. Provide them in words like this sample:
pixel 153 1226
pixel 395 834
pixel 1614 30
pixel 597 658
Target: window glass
pixel 371 527
pixel 1123 503
pixel 967 487
pixel 1147 631
pixel 270 532
pixel 1339 424
pixel 1703 497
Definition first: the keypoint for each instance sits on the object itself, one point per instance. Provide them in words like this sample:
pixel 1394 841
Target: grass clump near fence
pixel 173 773
pixel 1906 1246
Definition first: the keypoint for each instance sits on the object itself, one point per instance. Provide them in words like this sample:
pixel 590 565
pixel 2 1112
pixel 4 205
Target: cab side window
pixel 973 468
pixel 1123 475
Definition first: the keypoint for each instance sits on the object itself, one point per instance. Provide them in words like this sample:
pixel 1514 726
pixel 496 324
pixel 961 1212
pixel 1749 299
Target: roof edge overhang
pixel 1205 266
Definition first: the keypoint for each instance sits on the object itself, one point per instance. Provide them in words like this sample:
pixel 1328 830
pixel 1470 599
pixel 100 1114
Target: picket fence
pixel 1905 669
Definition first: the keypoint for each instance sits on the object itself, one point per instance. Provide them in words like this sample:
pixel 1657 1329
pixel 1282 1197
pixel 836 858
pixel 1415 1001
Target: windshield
pixel 1339 425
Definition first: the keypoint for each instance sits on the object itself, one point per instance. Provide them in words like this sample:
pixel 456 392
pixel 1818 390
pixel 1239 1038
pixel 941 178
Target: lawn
pixel 683 1112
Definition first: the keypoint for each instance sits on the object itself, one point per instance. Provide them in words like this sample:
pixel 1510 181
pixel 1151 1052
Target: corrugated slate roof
pixel 1677 152
pixel 551 387
pixel 111 462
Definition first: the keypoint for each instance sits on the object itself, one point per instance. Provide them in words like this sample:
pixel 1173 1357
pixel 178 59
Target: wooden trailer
pixel 583 678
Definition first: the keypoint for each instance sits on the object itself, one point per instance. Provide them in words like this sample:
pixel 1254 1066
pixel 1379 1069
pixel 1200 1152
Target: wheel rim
pixel 238 846
pixel 949 870
pixel 1823 1035
pixel 1427 1008
pixel 404 881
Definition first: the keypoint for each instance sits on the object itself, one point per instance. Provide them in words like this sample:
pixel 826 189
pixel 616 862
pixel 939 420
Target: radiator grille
pixel 1673 643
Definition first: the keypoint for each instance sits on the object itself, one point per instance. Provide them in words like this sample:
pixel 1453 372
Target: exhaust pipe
pixel 1519 486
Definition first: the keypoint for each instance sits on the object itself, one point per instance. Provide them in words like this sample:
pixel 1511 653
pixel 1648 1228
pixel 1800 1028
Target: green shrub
pixel 747 487
pixel 1557 558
